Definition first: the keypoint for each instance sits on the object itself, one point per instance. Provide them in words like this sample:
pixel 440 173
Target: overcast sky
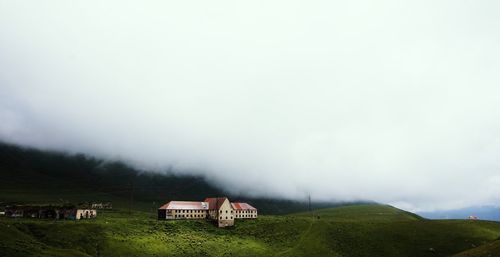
pixel 392 101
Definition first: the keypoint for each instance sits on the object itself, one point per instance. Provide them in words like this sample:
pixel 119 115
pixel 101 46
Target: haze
pixel 391 101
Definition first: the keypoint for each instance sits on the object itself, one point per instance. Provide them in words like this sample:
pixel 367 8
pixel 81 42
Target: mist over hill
pixel 31 175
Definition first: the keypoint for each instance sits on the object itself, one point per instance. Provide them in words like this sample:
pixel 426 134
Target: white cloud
pixel 390 101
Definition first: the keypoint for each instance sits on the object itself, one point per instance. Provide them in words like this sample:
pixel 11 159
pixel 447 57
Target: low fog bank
pixel 388 101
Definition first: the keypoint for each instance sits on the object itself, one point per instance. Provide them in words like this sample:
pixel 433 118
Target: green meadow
pixel 359 230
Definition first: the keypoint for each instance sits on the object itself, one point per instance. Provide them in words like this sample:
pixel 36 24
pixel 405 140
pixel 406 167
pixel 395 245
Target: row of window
pixel 189 216
pixel 246 216
pixel 246 211
pixel 190 211
pixel 220 217
pixel 203 211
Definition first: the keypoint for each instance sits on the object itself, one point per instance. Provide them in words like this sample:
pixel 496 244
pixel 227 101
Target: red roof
pixel 242 206
pixel 184 205
pixel 215 202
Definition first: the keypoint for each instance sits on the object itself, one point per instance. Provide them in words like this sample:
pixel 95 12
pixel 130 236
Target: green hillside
pixel 487 250
pixel 344 231
pixel 372 212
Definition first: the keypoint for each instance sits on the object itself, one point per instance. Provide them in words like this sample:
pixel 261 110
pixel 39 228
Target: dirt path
pixel 299 241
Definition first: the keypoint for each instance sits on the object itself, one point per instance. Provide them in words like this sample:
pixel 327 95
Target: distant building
pixel 472 217
pixel 85 214
pixel 244 211
pixel 49 212
pixel 218 209
pixel 107 205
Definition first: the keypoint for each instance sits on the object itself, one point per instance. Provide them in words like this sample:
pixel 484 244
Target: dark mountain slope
pixel 30 175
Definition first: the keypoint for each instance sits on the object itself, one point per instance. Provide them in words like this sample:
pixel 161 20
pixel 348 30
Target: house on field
pixel 218 209
pixel 85 214
pixel 244 211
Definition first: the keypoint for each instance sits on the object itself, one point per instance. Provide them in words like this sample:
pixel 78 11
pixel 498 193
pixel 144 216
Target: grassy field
pixel 364 230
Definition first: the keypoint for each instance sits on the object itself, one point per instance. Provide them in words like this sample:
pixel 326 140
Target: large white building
pixel 218 209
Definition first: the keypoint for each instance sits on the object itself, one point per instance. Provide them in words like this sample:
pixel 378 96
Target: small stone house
pixel 85 214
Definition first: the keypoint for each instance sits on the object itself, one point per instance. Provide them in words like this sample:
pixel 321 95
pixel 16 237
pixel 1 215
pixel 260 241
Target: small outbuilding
pixel 85 214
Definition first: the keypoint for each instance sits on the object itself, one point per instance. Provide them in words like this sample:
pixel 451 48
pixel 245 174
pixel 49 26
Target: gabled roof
pixel 242 206
pixel 185 205
pixel 215 202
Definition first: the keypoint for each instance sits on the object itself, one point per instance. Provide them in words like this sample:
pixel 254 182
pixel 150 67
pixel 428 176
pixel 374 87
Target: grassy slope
pixel 491 249
pixel 365 230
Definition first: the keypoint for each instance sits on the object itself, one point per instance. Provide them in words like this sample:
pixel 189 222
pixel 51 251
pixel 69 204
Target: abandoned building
pixel 244 211
pixel 218 209
pixel 183 210
pixel 85 214
pixel 49 212
pixel 106 205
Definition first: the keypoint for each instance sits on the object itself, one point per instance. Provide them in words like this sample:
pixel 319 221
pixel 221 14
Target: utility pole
pixel 153 209
pixel 131 197
pixel 310 208
pixel 217 210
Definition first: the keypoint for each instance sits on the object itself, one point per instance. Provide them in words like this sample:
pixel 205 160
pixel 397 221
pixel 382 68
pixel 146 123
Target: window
pixel 226 217
pixel 231 217
pixel 226 211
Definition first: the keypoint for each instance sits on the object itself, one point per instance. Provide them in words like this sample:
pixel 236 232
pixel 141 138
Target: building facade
pixel 183 210
pixel 244 211
pixel 221 211
pixel 85 214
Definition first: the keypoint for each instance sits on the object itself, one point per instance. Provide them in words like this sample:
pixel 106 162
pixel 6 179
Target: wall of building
pixel 186 214
pixel 246 214
pixel 226 214
pixel 85 214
